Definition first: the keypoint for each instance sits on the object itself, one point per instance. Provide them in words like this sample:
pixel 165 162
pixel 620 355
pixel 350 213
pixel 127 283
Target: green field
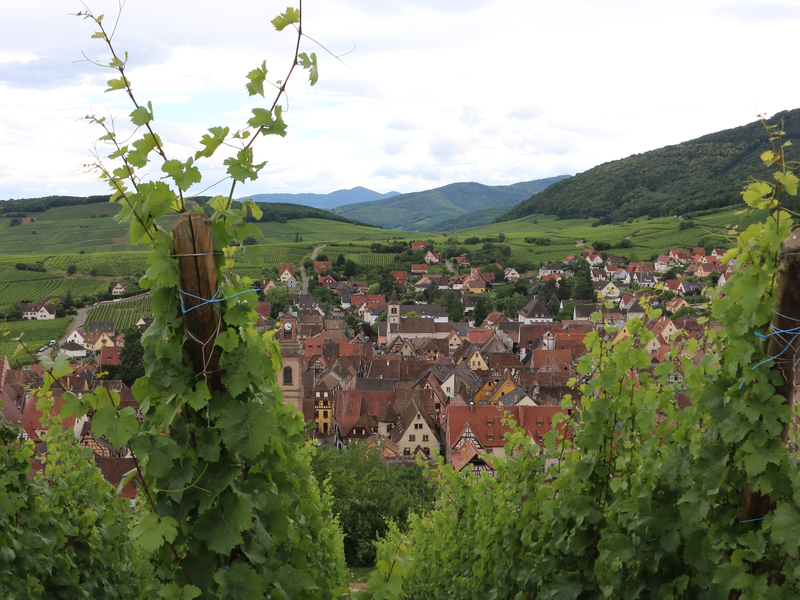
pixel 70 229
pixel 114 264
pixel 124 313
pixel 647 237
pixel 63 232
pixel 37 289
pixel 34 335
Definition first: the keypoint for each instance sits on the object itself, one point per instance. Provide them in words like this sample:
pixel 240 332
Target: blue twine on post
pixel 751 520
pixel 214 300
pixel 794 332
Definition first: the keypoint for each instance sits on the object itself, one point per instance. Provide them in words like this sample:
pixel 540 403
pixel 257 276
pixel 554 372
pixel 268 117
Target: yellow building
pixel 97 340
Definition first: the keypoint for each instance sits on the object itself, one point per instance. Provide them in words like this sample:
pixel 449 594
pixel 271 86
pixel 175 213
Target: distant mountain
pixel 324 201
pixel 423 211
pixel 476 218
pixel 281 212
pixel 700 174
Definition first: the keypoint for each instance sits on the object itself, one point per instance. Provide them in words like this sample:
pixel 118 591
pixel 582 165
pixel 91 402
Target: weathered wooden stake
pixel 194 246
pixel 786 317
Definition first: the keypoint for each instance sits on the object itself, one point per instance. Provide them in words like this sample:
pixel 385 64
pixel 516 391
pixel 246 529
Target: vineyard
pixel 35 334
pixel 13 275
pixel 36 290
pixel 254 273
pixel 274 254
pixel 360 255
pixel 124 313
pixel 106 265
pixel 372 260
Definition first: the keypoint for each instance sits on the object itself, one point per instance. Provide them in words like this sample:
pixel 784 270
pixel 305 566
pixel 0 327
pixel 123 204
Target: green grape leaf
pixel 227 340
pixel 263 118
pixel 221 526
pixel 142 148
pixel 141 116
pixel 174 591
pixel 212 142
pixel 255 211
pixel 116 84
pixel 241 167
pixel 240 582
pixel 238 315
pixel 75 404
pixel 207 444
pixel 754 192
pixel 789 181
pixel 310 63
pixel 785 528
pixel 257 77
pixel 198 397
pixel 283 20
pixel 152 534
pixel 246 428
pixel 183 174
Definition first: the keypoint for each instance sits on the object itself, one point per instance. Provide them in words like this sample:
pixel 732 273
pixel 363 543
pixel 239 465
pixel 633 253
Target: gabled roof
pixel 485 422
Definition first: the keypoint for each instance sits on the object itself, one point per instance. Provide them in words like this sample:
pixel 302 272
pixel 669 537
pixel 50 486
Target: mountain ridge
pixel 698 174
pixel 422 211
pixel 328 201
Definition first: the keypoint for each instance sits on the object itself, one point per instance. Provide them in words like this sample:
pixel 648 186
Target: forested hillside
pixel 37 205
pixel 423 211
pixel 707 172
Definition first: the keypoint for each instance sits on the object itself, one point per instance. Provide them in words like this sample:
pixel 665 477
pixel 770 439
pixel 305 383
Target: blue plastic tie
pixel 794 332
pixel 751 520
pixel 214 300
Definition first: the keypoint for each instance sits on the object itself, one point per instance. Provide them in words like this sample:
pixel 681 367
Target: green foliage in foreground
pixel 64 533
pixel 232 509
pixel 367 493
pixel 645 500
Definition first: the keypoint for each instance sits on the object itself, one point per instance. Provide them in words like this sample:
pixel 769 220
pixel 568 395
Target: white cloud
pixel 495 91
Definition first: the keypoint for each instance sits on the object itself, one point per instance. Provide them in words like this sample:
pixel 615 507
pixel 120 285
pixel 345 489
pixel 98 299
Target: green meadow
pixel 88 237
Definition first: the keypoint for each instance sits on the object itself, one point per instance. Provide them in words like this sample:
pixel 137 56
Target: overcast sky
pixel 431 92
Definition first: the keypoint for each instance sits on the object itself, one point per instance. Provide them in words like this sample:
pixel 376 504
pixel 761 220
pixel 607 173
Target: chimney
pixel 471 408
pixel 522 416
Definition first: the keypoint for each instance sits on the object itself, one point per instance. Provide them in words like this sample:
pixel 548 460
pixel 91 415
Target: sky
pixel 423 92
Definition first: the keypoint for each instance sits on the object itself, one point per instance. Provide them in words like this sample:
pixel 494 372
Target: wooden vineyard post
pixel 195 250
pixel 785 346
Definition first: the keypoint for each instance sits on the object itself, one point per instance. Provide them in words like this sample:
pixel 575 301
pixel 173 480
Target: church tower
pixel 393 314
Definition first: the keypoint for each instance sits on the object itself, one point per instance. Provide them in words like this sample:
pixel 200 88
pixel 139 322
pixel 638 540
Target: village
pixel 408 380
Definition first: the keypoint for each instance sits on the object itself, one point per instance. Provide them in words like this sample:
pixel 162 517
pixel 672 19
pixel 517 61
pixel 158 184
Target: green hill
pixel 423 211
pixel 476 218
pixel 700 174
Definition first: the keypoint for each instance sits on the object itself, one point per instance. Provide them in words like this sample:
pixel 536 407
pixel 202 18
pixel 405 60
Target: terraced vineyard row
pixel 360 255
pixel 35 291
pixel 255 273
pixel 372 260
pixel 276 254
pixel 13 275
pixel 124 313
pixel 107 265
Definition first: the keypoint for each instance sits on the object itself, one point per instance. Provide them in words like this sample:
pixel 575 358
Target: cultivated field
pixel 105 264
pixel 124 313
pixel 36 289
